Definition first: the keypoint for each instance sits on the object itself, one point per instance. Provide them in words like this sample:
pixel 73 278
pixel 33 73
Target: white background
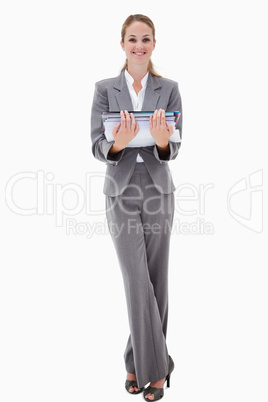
pixel 63 314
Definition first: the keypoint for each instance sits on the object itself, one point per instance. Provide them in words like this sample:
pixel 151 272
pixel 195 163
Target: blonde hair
pixel 147 21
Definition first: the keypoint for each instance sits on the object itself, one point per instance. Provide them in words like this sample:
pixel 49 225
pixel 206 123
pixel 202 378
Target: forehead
pixel 138 28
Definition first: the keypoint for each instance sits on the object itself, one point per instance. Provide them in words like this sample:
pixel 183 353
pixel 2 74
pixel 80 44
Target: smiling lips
pixel 139 53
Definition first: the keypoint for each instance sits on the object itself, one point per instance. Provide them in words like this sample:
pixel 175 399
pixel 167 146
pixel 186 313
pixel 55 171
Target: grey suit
pixel 112 95
pixel 139 210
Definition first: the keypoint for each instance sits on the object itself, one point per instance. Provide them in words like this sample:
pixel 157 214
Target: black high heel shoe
pixel 133 383
pixel 159 392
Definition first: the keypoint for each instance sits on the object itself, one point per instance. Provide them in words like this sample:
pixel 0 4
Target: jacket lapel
pixel 150 99
pixel 123 97
pixel 151 96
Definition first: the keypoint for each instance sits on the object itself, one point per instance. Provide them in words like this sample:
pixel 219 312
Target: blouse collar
pixel 130 79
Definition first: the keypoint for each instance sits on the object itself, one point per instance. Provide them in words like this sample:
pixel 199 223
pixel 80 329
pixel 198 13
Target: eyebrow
pixel 143 35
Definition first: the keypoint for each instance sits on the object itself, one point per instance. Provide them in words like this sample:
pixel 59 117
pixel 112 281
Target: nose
pixel 139 47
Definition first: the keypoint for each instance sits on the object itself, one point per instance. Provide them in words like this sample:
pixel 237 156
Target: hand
pixel 160 129
pixel 125 131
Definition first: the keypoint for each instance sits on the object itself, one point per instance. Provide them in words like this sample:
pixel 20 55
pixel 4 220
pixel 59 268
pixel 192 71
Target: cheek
pixel 150 46
pixel 129 48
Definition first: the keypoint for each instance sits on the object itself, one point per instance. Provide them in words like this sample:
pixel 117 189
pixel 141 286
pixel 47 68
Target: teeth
pixel 139 53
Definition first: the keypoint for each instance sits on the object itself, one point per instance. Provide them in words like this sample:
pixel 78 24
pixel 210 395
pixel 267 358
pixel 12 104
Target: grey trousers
pixel 140 222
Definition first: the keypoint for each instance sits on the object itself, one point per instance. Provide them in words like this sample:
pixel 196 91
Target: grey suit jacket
pixel 112 94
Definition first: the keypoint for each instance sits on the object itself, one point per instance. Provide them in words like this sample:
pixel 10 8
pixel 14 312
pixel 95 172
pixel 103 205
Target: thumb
pixel 170 128
pixel 116 127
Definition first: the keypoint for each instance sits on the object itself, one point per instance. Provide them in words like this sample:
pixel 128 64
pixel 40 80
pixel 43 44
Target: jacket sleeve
pixel 173 105
pixel 100 145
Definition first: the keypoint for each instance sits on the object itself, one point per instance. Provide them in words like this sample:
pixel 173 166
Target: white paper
pixel 144 137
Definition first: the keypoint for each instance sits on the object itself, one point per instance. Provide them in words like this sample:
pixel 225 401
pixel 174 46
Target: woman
pixel 140 200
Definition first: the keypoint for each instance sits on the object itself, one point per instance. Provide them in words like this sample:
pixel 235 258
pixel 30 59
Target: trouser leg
pixel 157 241
pixel 158 214
pixel 144 275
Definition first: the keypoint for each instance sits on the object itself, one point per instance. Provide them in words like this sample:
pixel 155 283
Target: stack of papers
pixel 144 137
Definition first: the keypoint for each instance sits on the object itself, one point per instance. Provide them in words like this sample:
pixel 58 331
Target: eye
pixel 144 40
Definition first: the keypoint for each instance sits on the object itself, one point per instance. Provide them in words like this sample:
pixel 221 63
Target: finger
pixel 115 129
pixel 170 128
pixel 155 118
pixel 133 122
pixel 158 118
pixel 127 119
pixel 151 122
pixel 123 119
pixel 163 117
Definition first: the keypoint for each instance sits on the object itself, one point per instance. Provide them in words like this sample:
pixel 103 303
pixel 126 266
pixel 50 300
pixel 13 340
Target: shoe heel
pixel 168 380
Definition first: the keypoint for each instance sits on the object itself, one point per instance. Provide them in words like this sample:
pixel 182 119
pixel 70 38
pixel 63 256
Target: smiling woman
pixel 138 38
pixel 140 199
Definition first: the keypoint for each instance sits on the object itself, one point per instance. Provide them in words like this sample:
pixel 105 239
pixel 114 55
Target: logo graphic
pixel 245 201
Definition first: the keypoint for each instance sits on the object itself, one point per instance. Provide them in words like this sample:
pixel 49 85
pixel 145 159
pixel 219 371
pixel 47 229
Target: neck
pixel 137 72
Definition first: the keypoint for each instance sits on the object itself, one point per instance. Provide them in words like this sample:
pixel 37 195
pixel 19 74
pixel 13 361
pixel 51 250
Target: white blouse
pixel 137 100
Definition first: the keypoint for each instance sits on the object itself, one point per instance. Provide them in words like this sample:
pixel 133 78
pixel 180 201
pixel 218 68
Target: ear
pixel 122 45
pixel 154 44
